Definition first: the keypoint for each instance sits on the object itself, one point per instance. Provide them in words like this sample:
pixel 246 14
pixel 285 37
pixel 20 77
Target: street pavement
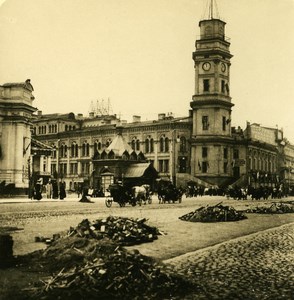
pixel 257 266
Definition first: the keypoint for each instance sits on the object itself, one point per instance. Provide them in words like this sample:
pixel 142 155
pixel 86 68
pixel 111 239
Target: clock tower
pixel 211 145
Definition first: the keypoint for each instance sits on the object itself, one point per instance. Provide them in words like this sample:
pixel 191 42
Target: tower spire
pixel 211 10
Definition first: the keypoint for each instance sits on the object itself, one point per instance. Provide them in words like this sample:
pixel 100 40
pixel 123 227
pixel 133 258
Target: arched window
pixel 166 145
pixel 133 144
pixel 95 146
pixel 137 145
pixel 147 146
pixel 183 144
pixel 151 145
pixel 66 128
pixel 161 144
pixel 84 149
pixel 74 150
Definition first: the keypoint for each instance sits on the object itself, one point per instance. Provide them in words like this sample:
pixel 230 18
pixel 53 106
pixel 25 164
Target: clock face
pixel 223 67
pixel 206 66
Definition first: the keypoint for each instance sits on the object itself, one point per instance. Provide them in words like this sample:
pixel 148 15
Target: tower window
pixel 205 124
pixel 223 86
pixel 225 167
pixel 204 152
pixel 206 85
pixel 225 153
pixel 224 123
pixel 204 167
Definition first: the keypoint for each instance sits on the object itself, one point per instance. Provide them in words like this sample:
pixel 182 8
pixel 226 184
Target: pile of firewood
pixel 275 208
pixel 214 213
pixel 125 231
pixel 87 264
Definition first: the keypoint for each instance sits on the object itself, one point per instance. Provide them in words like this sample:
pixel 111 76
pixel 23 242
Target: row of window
pixel 135 144
pixel 205 123
pixel 225 153
pixel 224 86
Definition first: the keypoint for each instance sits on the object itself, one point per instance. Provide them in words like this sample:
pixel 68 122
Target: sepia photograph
pixel 146 149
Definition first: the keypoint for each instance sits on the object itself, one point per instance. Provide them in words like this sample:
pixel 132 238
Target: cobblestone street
pixel 257 266
pixel 247 259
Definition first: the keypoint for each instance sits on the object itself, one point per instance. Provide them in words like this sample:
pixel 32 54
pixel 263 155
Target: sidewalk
pixel 72 197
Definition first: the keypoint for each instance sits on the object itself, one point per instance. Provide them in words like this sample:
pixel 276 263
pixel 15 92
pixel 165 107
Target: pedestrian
pixel 49 189
pixel 62 193
pixel 38 190
pixel 54 189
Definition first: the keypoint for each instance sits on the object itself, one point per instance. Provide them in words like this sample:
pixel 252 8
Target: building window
pixel 182 164
pixel 161 144
pixel 53 169
pixel 225 167
pixel 183 144
pixel 205 124
pixel 147 146
pixel 163 165
pixel 206 85
pixel 166 144
pixel 63 150
pixel 204 152
pixel 74 168
pixel 63 169
pixel 225 153
pixel 74 150
pixel 85 149
pixel 236 154
pixel 85 168
pixel 151 145
pixel 137 145
pixel 223 86
pixel 204 166
pixel 224 123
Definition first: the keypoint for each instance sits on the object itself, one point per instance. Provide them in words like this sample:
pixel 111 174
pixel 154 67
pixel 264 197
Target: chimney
pixel 136 119
pixel 39 113
pixel 91 114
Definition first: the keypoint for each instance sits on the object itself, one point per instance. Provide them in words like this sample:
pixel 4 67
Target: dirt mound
pixel 215 213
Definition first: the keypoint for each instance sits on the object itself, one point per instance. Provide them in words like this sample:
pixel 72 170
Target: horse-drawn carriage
pixel 128 195
pixel 167 192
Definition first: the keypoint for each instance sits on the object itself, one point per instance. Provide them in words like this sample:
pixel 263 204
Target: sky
pixel 138 54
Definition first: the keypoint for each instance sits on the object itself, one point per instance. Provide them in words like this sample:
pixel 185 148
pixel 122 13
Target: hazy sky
pixel 138 53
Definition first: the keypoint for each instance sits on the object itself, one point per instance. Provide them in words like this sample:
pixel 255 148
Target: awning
pixel 140 170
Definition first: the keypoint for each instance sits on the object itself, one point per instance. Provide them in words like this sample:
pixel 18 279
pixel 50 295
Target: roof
pixel 35 144
pixel 27 85
pixel 138 170
pixel 119 145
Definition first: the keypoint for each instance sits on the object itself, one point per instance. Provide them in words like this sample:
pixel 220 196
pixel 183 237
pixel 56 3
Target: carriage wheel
pixel 108 202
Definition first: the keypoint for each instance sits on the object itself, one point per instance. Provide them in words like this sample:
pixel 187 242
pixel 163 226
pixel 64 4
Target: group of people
pixel 53 190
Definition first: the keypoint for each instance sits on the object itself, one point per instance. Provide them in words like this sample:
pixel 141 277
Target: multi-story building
pixel 202 147
pixel 16 145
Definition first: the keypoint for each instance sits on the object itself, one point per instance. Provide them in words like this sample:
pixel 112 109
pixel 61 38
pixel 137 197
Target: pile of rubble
pixel 88 264
pixel 275 208
pixel 215 213
pixel 125 231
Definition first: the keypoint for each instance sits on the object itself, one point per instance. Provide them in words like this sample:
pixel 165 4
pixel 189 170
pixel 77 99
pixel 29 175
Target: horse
pixel 139 194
